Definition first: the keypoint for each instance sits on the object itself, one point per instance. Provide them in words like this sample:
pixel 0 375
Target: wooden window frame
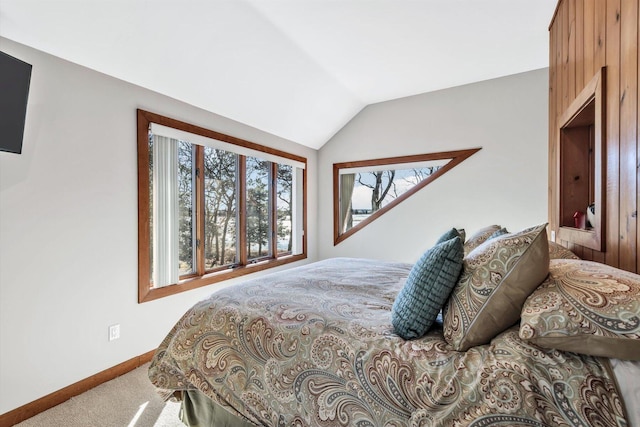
pixel 456 157
pixel 146 291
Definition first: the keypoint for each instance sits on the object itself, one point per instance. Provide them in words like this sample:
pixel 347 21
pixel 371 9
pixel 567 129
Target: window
pixel 212 207
pixel 373 189
pixel 364 190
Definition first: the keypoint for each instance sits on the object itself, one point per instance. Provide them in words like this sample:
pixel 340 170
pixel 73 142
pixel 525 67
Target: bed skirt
pixel 197 410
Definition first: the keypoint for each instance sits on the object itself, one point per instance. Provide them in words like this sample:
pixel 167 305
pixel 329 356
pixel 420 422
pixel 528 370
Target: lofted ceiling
pixel 299 69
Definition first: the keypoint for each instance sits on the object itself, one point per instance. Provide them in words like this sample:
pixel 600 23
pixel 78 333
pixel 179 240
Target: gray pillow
pixel 427 288
pixel 449 235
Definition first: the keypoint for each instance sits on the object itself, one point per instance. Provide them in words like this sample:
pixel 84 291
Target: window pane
pixel 151 243
pixel 219 207
pixel 284 203
pixel 185 207
pixel 258 172
pixel 374 190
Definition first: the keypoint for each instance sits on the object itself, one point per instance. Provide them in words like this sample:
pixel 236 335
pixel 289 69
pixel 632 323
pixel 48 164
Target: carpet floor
pixel 127 401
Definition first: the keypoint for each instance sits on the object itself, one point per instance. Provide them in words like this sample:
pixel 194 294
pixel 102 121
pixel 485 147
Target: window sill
pixel 151 294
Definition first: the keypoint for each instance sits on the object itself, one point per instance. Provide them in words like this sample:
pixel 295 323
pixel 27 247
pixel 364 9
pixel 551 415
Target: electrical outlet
pixel 553 236
pixel 114 332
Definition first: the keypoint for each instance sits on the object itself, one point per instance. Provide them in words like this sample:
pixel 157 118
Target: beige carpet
pixel 127 401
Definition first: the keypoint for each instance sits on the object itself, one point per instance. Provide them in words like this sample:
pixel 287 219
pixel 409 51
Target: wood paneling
pixel 564 46
pixel 628 132
pixel 611 16
pixel 554 97
pixel 586 35
pixel 579 46
pixel 589 38
pixel 571 52
pixel 638 152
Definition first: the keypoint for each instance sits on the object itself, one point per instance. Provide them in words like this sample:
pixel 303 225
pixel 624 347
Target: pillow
pixel 498 233
pixel 427 287
pixel 585 307
pixel 557 251
pixel 463 234
pixel 450 235
pixel 497 278
pixel 479 237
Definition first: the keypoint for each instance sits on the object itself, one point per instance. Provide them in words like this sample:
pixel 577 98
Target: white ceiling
pixel 300 69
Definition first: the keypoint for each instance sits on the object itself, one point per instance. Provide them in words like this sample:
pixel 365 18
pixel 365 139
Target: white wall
pixel 68 228
pixel 68 205
pixel 504 183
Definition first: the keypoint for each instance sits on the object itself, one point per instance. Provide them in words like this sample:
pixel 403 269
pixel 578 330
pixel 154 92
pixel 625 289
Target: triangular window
pixel 364 190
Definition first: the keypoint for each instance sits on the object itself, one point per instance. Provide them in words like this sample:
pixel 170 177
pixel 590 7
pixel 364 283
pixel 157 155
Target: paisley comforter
pixel 314 346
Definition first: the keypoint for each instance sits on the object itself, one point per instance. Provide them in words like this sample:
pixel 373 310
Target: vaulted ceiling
pixel 300 69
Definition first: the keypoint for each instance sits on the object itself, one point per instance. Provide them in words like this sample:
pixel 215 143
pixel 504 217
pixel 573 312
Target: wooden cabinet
pixel 591 40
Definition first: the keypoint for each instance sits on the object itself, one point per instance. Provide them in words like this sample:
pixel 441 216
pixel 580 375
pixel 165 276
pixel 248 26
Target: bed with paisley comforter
pixel 315 346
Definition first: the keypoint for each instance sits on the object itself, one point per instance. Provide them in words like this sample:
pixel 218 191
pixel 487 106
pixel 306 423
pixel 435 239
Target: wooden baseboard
pixel 57 397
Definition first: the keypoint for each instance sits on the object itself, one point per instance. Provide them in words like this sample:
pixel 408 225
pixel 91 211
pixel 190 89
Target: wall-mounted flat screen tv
pixel 15 76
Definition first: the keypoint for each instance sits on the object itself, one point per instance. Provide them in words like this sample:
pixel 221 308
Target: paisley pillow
pixel 479 237
pixel 497 278
pixel 498 233
pixel 585 307
pixel 557 251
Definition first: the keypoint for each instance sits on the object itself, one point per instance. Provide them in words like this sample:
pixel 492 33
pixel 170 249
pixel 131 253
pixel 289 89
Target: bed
pixel 318 345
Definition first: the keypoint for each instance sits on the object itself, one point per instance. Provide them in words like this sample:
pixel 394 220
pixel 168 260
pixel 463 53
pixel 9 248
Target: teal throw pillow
pixel 449 235
pixel 427 288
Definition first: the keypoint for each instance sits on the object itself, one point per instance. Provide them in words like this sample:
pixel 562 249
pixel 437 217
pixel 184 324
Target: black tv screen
pixel 15 76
